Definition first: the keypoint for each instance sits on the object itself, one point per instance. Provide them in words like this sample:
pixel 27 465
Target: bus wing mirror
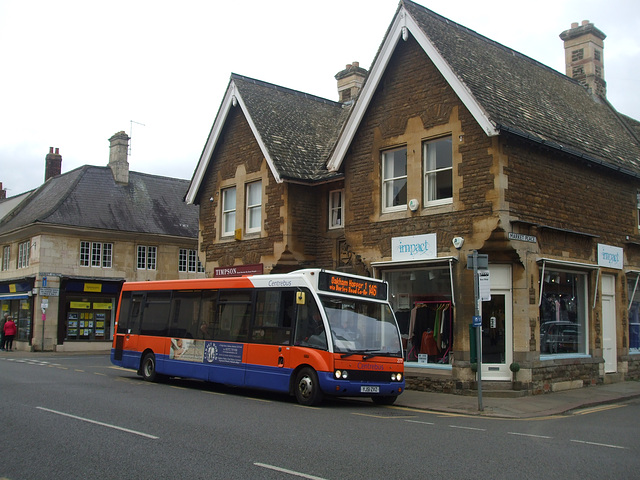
pixel 300 298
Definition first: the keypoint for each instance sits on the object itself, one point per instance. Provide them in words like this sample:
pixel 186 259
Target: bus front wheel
pixel 307 387
pixel 149 368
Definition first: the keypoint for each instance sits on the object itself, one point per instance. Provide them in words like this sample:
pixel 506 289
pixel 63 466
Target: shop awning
pixel 13 296
pixel 421 263
pixel 567 264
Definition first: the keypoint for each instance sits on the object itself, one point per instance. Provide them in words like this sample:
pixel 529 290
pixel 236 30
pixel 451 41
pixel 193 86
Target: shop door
pixel 609 347
pixel 497 345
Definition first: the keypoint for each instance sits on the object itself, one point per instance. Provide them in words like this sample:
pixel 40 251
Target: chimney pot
pixel 585 22
pixel 574 25
pixel 52 164
pixel 57 151
pixel 50 149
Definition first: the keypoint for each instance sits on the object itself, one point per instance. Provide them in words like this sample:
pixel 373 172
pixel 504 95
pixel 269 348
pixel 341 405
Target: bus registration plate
pixel 368 389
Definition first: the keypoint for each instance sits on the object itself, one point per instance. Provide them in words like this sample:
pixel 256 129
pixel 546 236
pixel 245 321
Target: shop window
pixel 422 303
pixel 394 180
pixel 254 207
pixel 563 313
pixel 228 211
pixel 438 171
pixel 634 314
pixel 147 256
pixel 23 254
pixel 89 319
pixel 336 209
pixel 6 257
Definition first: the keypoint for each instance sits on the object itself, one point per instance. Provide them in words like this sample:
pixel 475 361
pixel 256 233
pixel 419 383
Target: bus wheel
pixel 307 387
pixel 385 400
pixel 149 368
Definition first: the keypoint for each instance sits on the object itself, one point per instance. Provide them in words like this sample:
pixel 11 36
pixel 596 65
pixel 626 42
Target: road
pixel 78 417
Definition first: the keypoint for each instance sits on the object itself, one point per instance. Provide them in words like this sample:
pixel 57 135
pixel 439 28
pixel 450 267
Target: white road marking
pixel 599 444
pixel 115 427
pixel 290 472
pixel 469 428
pixel 423 423
pixel 527 435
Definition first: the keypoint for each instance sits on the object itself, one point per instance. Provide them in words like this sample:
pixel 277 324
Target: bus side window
pixel 123 318
pixel 155 315
pixel 183 319
pixel 234 313
pixel 137 301
pixel 275 314
pixel 309 327
pixel 207 315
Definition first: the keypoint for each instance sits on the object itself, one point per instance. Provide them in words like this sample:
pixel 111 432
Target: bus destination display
pixel 331 282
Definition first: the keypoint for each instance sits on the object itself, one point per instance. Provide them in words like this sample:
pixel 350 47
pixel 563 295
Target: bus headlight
pixel 341 374
pixel 396 377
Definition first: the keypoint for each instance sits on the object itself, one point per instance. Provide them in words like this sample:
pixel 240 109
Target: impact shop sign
pixel 414 247
pixel 610 256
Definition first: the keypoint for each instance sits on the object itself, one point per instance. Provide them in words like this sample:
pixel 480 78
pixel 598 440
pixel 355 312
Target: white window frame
pixel 24 250
pixel 146 257
pixel 107 255
pixel 336 209
pixel 183 260
pixel 432 170
pixel 393 183
pixel 6 257
pixel 96 254
pixel 85 253
pixel 253 216
pixel 228 224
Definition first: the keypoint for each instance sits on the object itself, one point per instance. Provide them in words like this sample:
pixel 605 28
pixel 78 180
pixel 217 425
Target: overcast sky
pixel 76 72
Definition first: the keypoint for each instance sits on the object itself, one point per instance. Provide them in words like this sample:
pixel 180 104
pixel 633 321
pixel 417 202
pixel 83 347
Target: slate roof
pixel 89 197
pixel 525 97
pixel 298 129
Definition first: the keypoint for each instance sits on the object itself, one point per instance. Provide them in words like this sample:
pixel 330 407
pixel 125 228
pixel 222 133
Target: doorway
pixel 609 347
pixel 497 341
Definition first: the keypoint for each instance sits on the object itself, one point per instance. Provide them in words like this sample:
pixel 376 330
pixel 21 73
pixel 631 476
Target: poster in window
pixel 72 332
pixel 72 316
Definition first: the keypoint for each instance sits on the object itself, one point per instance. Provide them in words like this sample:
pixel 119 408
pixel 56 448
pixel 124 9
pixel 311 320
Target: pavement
pixel 531 406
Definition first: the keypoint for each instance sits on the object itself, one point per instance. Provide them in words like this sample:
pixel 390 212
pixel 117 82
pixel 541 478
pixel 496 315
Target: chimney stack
pixel 3 193
pixel 350 81
pixel 584 58
pixel 118 151
pixel 52 164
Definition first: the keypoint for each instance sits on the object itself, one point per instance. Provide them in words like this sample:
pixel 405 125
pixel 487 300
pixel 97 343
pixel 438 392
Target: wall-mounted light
pixel 211 199
pixel 413 204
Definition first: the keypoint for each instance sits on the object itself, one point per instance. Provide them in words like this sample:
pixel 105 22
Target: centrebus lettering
pixel 370 366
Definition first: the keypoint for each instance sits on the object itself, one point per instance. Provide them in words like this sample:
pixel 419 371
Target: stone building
pixel 67 246
pixel 450 145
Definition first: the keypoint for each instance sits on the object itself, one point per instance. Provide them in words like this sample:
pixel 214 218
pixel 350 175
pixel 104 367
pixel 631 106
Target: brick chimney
pixel 52 164
pixel 118 150
pixel 350 81
pixel 3 193
pixel 583 54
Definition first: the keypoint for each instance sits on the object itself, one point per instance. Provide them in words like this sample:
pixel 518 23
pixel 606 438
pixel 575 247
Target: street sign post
pixel 476 261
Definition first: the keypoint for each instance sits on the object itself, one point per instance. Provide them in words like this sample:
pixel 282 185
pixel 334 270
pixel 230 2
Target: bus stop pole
pixel 476 288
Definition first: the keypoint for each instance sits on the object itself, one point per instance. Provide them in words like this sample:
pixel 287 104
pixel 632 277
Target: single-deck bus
pixel 308 333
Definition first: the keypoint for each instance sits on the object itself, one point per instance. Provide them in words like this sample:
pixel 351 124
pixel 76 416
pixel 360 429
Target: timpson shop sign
pixel 238 270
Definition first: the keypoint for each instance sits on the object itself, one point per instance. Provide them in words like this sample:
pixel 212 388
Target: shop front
pixel 16 299
pixel 87 311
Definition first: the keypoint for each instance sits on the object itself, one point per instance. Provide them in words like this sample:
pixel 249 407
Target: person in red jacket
pixel 9 332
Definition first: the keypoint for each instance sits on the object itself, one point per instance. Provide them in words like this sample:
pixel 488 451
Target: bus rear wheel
pixel 149 368
pixel 307 387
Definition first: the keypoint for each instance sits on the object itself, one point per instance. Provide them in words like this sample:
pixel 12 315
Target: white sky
pixel 76 72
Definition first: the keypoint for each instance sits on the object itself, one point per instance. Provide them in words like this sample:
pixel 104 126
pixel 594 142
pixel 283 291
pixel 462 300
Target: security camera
pixel 458 242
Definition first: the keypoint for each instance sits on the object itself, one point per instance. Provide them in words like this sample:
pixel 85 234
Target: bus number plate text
pixel 367 389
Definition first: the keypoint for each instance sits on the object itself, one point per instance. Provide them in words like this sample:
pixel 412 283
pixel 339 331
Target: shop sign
pixel 239 270
pixel 80 305
pixel 93 287
pixel 610 256
pixel 414 247
pixel 102 306
pixel 49 292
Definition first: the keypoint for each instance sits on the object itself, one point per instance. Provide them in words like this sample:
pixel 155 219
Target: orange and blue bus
pixel 310 333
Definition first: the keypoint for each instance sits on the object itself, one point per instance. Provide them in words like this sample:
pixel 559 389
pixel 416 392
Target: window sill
pixel 561 356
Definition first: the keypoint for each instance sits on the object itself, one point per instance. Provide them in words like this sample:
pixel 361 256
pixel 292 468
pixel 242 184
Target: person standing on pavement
pixel 2 322
pixel 9 332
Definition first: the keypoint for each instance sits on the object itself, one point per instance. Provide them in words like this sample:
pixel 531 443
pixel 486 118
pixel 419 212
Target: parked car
pixel 559 337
